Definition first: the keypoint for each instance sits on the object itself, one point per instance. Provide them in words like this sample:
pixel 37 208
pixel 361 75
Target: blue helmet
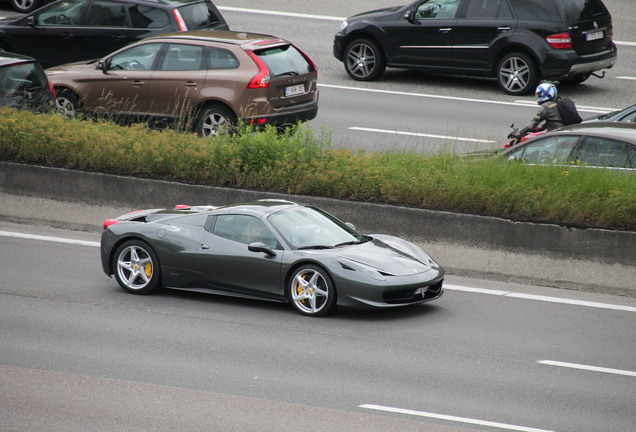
pixel 545 92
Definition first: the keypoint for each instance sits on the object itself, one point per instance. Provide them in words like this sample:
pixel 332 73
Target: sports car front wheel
pixel 311 291
pixel 137 267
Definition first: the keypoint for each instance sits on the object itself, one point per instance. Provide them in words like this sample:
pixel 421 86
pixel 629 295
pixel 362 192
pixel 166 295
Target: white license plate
pixel 295 90
pixel 594 36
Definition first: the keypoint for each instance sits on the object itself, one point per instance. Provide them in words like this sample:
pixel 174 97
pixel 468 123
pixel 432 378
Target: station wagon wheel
pixel 136 267
pixel 517 74
pixel 364 60
pixel 311 291
pixel 214 119
pixel 67 103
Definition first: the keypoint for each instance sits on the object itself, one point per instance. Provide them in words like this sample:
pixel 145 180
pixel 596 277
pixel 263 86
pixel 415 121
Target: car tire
pixel 517 74
pixel 364 60
pixel 576 79
pixel 311 291
pixel 136 267
pixel 25 6
pixel 213 118
pixel 68 103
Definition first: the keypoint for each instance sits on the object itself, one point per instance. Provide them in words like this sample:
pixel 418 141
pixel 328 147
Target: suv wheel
pixel 517 74
pixel 25 6
pixel 67 103
pixel 364 60
pixel 212 118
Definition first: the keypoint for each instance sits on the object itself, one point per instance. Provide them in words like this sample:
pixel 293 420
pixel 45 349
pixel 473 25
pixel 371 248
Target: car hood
pixel 72 67
pixel 377 12
pixel 384 258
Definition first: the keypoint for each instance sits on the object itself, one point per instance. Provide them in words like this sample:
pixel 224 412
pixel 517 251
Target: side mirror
pixel 260 247
pixel 103 66
pixel 410 17
pixel 31 21
pixel 350 225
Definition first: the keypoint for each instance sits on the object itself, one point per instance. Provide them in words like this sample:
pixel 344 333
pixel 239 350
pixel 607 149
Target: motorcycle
pixel 514 138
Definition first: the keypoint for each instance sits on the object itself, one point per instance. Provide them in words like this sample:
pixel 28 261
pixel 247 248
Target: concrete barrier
pixel 550 255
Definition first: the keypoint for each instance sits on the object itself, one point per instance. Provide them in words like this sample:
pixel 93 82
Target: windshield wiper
pixel 353 242
pixel 316 247
pixel 291 73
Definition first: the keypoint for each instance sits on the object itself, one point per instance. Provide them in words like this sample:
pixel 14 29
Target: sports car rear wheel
pixel 311 291
pixel 137 267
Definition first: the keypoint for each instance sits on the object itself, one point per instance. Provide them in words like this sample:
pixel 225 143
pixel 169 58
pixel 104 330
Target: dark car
pixel 591 145
pixel 201 78
pixel 23 83
pixel 71 30
pixel 518 42
pixel 625 115
pixel 270 250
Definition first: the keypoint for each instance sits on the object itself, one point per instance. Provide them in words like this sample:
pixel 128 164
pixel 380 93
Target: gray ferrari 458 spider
pixel 271 250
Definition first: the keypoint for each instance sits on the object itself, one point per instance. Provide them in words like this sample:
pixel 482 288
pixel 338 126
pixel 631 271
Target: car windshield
pixel 20 78
pixel 310 228
pixel 198 16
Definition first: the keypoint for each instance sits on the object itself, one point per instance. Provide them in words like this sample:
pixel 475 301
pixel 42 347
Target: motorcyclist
pixel 548 114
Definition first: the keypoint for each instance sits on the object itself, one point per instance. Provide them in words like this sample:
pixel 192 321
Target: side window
pixel 488 9
pixel 198 16
pixel 181 57
pixel 551 150
pixel 536 10
pixel 602 152
pixel 221 59
pixel 437 9
pixel 629 118
pixel 140 57
pixel 244 229
pixel 65 13
pixel 106 14
pixel 148 17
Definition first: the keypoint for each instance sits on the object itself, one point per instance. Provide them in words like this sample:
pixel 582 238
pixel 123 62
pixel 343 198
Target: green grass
pixel 299 162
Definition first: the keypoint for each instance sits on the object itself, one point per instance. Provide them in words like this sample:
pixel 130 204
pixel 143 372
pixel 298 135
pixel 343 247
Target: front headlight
pixel 343 25
pixel 364 269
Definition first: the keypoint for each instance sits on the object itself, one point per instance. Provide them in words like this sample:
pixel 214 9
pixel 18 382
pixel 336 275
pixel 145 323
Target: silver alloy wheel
pixel 212 123
pixel 310 291
pixel 361 60
pixel 135 267
pixel 65 106
pixel 515 74
pixel 24 5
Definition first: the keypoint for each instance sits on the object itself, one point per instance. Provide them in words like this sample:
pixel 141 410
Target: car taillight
pixel 180 22
pixel 560 41
pixel 109 222
pixel 261 79
pixel 52 90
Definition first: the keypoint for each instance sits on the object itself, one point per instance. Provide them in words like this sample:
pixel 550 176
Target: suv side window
pixel 536 10
pixel 140 57
pixel 221 59
pixel 181 57
pixel 61 14
pixel 488 9
pixel 148 17
pixel 437 9
pixel 106 14
pixel 198 16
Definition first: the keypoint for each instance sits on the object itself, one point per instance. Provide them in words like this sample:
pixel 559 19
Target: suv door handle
pixel 503 28
pixel 137 83
pixel 445 29
pixel 190 84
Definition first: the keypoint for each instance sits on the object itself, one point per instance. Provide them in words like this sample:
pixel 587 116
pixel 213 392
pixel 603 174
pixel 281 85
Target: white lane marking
pixel 587 108
pixel 540 298
pixel 446 286
pixel 599 110
pixel 326 17
pixel 49 238
pixel 451 418
pixel 396 132
pixel 587 367
pixel 626 77
pixel 279 13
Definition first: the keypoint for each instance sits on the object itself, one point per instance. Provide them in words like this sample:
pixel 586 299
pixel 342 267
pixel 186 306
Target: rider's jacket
pixel 548 113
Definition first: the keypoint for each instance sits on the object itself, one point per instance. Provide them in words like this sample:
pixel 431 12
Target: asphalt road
pixel 78 353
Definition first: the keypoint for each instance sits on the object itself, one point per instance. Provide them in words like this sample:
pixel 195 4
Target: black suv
pixel 518 42
pixel 23 83
pixel 71 30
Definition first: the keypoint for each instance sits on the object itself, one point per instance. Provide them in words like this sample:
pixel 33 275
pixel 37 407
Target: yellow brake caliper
pixel 148 269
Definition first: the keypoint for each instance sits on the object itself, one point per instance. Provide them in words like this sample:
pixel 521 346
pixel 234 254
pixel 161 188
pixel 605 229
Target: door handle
pixel 445 29
pixel 67 35
pixel 190 84
pixel 204 246
pixel 503 28
pixel 119 37
pixel 137 83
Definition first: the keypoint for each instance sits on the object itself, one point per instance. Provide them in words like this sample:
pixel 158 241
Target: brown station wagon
pixel 201 79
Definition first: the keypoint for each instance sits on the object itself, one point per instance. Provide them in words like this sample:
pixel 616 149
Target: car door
pixel 122 84
pixel 227 264
pixel 51 34
pixel 425 36
pixel 178 80
pixel 482 25
pixel 106 29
